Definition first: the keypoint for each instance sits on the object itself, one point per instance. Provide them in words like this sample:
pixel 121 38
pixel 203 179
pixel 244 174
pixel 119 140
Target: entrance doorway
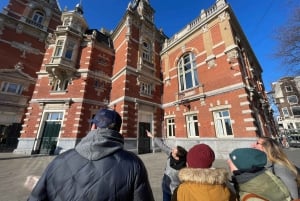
pixel 143 140
pixel 50 133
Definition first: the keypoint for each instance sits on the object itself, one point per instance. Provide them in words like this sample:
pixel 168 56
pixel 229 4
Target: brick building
pixel 24 27
pixel 203 84
pixel 286 93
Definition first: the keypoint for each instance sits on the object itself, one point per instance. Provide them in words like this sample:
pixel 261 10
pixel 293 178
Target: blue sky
pixel 258 18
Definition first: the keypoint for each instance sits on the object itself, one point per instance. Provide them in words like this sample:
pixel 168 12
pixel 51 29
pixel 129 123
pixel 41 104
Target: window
pixel 285 112
pixel 99 84
pixel 171 127
pixel 69 50
pixel 223 123
pixel 59 48
pixel 54 116
pixel 293 99
pixel 67 22
pixel 192 125
pixel 60 85
pixel 288 89
pixel 296 111
pixel 146 89
pixel 188 76
pixel 146 51
pixel 38 17
pixel 12 88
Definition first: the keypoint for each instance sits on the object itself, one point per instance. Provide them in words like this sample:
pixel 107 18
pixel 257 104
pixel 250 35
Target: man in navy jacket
pixel 97 169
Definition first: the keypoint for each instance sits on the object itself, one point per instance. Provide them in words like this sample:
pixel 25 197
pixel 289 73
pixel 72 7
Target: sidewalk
pixel 15 169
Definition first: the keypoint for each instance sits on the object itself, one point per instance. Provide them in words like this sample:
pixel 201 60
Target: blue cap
pixel 106 118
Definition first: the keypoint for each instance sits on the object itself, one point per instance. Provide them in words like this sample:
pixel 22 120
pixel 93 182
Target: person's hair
pixel 275 154
pixel 181 152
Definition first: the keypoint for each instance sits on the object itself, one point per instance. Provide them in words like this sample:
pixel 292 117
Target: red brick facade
pixel 202 85
pixel 22 42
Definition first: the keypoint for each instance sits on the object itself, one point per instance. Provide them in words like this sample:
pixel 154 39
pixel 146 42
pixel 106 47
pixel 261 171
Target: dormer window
pixel 38 17
pixel 67 22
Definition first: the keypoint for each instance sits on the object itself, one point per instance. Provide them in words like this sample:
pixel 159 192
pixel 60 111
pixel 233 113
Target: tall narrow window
pixel 285 112
pixel 223 123
pixel 147 51
pixel 59 48
pixel 146 88
pixel 188 76
pixel 38 17
pixel 170 127
pixel 60 85
pixel 69 50
pixel 192 125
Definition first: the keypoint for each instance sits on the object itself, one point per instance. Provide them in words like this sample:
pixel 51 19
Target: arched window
pixel 38 17
pixel 188 77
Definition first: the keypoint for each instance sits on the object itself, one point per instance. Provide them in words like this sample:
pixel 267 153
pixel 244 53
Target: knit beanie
pixel 200 156
pixel 248 158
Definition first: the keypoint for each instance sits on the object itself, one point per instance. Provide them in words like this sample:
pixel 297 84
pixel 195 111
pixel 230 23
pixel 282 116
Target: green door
pixel 49 139
pixel 143 140
pixel 50 133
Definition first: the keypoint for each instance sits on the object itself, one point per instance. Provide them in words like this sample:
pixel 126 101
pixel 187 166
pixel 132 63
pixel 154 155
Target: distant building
pixel 286 94
pixel 203 84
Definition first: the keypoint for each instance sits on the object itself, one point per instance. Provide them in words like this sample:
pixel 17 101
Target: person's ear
pixel 231 165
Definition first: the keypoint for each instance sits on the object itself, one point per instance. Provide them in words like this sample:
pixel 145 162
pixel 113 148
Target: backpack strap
pixel 251 196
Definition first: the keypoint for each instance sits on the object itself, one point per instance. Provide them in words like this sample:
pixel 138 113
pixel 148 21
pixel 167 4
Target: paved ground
pixel 14 170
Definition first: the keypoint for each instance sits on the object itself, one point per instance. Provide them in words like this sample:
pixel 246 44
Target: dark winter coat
pixel 262 183
pixel 97 169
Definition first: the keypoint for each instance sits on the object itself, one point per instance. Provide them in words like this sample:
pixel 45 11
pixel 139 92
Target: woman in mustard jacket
pixel 200 181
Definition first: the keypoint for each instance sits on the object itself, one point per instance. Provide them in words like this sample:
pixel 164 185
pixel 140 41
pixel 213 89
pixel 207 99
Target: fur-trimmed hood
pixel 203 176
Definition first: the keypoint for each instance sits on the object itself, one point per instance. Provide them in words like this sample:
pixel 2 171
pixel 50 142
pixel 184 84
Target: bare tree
pixel 288 37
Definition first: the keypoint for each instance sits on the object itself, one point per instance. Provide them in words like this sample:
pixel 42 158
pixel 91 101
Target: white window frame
pixel 220 120
pixel 146 54
pixel 192 125
pixel 170 123
pixel 288 88
pixel 297 125
pixel 59 48
pixel 57 86
pixel 69 50
pixel 292 97
pixel 187 72
pixel 292 109
pixel 285 112
pixel 11 88
pixel 146 88
pixel 38 17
